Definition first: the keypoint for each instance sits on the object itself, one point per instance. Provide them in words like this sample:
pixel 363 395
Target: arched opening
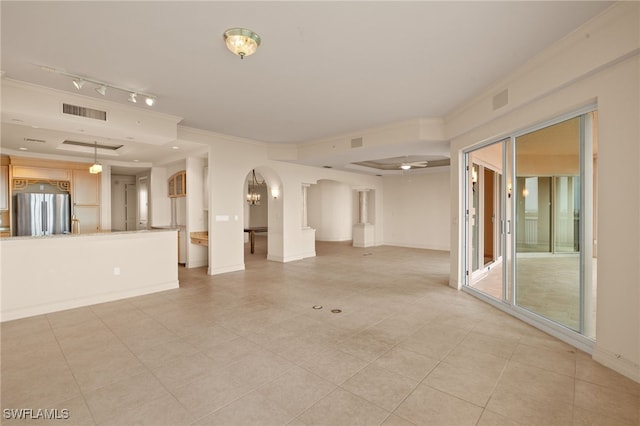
pixel 262 219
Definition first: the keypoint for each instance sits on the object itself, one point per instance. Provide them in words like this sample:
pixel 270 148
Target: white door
pixel 143 202
pixel 130 206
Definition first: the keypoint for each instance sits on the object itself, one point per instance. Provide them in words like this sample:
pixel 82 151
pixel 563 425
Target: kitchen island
pixel 52 273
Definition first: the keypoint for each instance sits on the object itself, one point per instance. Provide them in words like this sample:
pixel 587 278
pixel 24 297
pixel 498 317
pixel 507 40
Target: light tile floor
pixel 548 285
pixel 246 348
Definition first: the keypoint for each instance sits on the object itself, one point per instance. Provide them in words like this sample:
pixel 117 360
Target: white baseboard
pixel 48 308
pixel 225 269
pixel 275 258
pixel 197 264
pixel 292 258
pixel 617 363
pixel 417 246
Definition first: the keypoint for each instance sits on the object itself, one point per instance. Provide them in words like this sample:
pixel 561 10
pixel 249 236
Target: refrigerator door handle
pixel 43 204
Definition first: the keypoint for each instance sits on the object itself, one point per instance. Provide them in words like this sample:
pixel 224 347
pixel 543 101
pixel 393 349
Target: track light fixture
pixel 79 81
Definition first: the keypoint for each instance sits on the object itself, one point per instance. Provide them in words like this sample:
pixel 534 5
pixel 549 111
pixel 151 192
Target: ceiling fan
pixel 416 164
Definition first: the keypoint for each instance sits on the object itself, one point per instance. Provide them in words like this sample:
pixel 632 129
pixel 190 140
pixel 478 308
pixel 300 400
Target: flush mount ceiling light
pixel 79 81
pixel 241 41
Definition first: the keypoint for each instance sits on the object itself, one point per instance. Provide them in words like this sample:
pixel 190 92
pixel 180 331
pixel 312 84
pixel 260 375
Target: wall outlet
pixel 116 271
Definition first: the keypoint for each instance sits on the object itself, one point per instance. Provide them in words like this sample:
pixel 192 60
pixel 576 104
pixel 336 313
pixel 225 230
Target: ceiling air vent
pixel 356 143
pixel 92 145
pixel 80 111
pixel 34 140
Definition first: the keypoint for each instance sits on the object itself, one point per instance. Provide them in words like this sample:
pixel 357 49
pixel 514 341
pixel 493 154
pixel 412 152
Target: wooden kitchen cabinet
pixel 86 188
pixel 178 184
pixel 86 200
pixel 38 172
pixel 89 217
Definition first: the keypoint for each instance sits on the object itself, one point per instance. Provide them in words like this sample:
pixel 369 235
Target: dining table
pixel 252 235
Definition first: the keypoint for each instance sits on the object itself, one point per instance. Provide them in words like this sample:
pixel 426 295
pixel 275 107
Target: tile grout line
pixel 84 399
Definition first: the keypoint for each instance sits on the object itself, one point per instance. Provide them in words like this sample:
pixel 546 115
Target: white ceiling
pixel 323 69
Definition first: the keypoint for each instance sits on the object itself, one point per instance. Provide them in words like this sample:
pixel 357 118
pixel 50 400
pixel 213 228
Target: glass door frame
pixel 508 231
pixel 504 225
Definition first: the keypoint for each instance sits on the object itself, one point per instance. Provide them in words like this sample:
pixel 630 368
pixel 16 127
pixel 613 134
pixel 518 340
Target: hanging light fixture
pixel 96 167
pixel 241 41
pixel 253 194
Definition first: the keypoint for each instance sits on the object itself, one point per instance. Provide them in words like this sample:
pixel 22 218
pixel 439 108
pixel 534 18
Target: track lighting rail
pixel 79 81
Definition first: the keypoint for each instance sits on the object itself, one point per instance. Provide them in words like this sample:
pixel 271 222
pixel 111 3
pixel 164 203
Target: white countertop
pixel 87 234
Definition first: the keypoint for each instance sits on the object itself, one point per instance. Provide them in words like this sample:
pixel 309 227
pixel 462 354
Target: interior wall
pixel 577 72
pixel 330 212
pixel 416 210
pixel 229 160
pixel 160 206
pixel 146 178
pixel 105 199
pixel 197 218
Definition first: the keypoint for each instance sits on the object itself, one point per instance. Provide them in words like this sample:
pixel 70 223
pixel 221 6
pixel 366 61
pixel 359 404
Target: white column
pixel 305 223
pixel 363 231
pixel 362 206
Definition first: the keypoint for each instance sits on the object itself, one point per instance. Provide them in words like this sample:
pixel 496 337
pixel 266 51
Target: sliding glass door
pixel 485 219
pixel 529 209
pixel 547 260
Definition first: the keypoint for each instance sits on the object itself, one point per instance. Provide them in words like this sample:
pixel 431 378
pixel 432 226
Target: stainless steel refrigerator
pixel 43 214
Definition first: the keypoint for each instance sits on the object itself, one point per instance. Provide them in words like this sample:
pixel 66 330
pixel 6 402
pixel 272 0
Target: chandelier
pixel 253 193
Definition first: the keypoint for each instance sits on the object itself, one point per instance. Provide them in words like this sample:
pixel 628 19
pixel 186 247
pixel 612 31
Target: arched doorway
pixel 262 219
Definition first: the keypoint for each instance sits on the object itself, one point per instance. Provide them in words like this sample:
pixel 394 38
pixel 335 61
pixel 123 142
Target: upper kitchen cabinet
pixel 178 184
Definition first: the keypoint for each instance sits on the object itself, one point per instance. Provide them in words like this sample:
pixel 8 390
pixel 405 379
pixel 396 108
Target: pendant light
pixel 96 167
